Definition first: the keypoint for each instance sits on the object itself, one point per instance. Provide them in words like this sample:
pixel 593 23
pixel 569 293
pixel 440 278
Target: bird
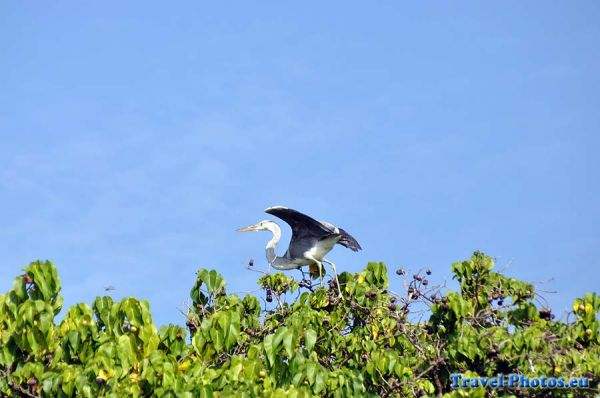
pixel 311 241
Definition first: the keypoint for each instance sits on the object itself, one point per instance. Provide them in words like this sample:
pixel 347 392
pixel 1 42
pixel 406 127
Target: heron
pixel 311 241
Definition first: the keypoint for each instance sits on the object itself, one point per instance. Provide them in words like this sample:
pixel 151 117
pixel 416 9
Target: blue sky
pixel 135 138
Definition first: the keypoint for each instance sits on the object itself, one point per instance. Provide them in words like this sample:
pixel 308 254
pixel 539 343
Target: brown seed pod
pixel 545 313
pixel 269 296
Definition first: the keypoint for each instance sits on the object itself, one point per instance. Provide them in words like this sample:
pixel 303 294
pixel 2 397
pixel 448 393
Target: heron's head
pixel 264 225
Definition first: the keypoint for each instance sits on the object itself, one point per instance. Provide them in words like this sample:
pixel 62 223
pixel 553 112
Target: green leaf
pixel 278 338
pixel 217 338
pixel 126 351
pixel 269 351
pixel 73 337
pixel 310 338
pixel 311 372
pixel 288 342
pixel 233 330
pixel 319 384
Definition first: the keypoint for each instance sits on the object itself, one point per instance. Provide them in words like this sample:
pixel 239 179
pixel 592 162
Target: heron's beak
pixel 250 228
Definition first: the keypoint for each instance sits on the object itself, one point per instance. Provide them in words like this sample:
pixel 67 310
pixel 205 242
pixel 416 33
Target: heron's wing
pixel 306 231
pixel 302 225
pixel 348 241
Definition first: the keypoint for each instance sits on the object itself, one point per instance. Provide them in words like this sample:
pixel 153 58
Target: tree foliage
pixel 303 341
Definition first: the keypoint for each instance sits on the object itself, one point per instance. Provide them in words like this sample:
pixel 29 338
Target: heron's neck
pixel 272 244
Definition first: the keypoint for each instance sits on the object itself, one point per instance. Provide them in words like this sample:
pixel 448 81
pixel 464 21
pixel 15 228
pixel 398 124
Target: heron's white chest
pixel 321 249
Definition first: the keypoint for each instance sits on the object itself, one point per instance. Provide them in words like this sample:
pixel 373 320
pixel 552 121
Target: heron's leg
pixel 320 265
pixel 336 276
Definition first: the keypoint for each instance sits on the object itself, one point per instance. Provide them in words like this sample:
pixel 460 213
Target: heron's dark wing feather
pixel 301 224
pixel 348 241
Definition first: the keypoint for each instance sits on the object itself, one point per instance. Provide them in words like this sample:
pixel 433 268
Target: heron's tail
pixel 348 241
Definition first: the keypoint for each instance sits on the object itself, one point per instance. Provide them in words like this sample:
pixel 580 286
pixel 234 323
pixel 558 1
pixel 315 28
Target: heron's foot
pixel 337 281
pixel 334 285
pixel 339 290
